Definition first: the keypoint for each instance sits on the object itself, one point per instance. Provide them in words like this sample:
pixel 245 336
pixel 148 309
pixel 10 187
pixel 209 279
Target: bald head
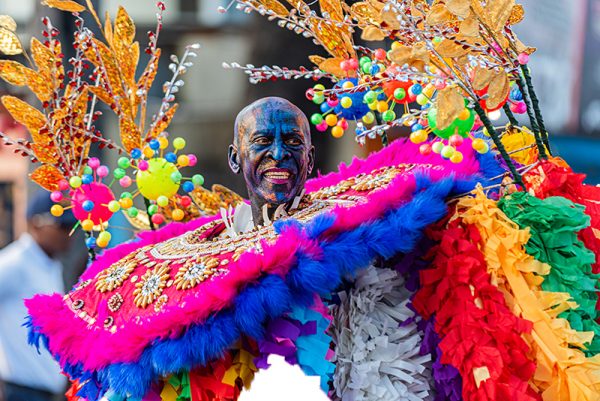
pixel 272 148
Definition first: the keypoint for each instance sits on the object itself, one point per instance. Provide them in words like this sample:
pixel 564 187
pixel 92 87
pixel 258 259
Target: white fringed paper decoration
pixel 376 357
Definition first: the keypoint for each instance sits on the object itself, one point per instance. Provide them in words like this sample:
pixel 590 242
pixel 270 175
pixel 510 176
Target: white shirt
pixel 26 270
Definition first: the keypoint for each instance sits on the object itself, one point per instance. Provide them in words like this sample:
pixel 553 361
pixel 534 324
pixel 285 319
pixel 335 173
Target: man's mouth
pixel 277 175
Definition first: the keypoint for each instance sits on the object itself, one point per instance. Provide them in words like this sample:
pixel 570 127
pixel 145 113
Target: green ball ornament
pixel 156 180
pixel 198 180
pixel 363 60
pixel 152 209
pixel 114 206
pixel 388 116
pixel 179 143
pixel 119 173
pixel 126 195
pixel 447 151
pixel 75 182
pixel 399 93
pixel 132 212
pixel 370 97
pixel 366 67
pixel 316 119
pixel 437 147
pixel 458 126
pixel 176 176
pixel 162 201
pixel 123 162
pixel 318 98
pixel 87 170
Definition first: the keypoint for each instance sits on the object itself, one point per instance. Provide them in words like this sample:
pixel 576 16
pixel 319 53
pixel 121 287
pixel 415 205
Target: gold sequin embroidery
pixel 151 285
pixel 195 271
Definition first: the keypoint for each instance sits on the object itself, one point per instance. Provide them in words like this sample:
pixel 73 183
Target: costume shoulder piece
pixel 190 291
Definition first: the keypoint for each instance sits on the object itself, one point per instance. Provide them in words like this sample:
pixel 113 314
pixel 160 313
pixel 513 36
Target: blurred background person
pixel 29 266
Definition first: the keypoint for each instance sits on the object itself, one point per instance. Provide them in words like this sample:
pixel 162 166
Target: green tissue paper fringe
pixel 553 224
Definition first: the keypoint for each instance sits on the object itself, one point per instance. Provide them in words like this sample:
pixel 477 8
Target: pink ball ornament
pixel 321 127
pixel 523 58
pixel 440 84
pixel 56 196
pixel 63 185
pixel 100 195
pixel 518 107
pixel 353 63
pixel 125 182
pixel 102 171
pixel 192 160
pixel 425 149
pixel 94 162
pixel 345 65
pixel 142 165
pixel 158 218
pixel 343 124
pixel 456 140
pixel 332 102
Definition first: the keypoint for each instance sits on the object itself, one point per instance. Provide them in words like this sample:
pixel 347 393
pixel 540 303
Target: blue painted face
pixel 273 150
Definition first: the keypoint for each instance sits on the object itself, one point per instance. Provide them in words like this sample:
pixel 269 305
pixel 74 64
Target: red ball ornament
pixel 185 201
pixel 380 54
pixel 158 219
pixel 100 195
pixel 310 94
pixel 391 86
pixel 353 63
pixel 456 140
pixel 425 149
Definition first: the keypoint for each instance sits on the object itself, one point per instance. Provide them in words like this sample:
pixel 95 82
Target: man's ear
pixel 233 157
pixel 311 159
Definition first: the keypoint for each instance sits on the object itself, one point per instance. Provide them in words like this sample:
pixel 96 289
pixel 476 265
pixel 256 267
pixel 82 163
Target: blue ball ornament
pixel 90 242
pixel 416 127
pixel 154 144
pixel 87 179
pixel 171 157
pixel 325 107
pixel 416 89
pixel 87 205
pixel 188 186
pixel 136 153
pixel 516 95
pixel 374 69
pixel 358 109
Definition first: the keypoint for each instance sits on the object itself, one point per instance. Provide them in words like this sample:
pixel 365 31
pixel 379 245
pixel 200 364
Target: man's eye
pixel 262 141
pixel 294 142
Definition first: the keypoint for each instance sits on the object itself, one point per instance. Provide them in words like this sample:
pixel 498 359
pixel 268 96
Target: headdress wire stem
pixel 488 125
pixel 534 125
pixel 536 106
pixel 511 117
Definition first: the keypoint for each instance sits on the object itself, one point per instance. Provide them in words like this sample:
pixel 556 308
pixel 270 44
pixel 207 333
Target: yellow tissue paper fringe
pixel 563 373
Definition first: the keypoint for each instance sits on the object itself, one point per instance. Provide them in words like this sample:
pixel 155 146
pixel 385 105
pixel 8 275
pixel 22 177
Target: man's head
pixel 272 149
pixel 51 233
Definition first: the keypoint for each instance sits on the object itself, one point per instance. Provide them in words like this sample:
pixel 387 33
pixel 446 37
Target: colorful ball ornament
pixel 91 202
pixel 390 88
pixel 458 126
pixel 156 179
pixel 357 108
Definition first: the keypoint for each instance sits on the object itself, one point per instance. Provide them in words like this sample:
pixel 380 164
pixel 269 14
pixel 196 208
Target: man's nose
pixel 278 151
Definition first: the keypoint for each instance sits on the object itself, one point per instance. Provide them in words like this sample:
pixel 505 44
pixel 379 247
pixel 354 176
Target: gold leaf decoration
pixel 522 48
pixel 108 30
pixel 275 6
pixel 45 152
pixel 450 104
pixel 372 33
pixel 449 48
pixel 517 15
pixel 498 12
pixel 27 115
pixel 14 73
pixel 149 73
pixel 47 176
pixel 332 66
pixel 498 90
pixel 6 21
pixel 482 78
pixel 163 123
pixel 43 57
pixel 102 94
pixel 438 15
pixel 366 13
pixel 39 85
pixel 130 133
pixel 416 56
pixel 460 8
pixel 299 5
pixel 316 60
pixel 64 5
pixel 9 43
pixel 389 19
pixel 469 27
pixel 124 28
pixel 336 41
pixel 333 8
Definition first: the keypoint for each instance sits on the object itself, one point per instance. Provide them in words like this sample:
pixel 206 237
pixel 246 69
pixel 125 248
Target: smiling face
pixel 272 148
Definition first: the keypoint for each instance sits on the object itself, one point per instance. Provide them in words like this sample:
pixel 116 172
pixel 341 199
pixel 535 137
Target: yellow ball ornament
pixel 331 120
pixel 87 225
pixel 346 102
pixel 125 203
pixel 337 132
pixel 418 136
pixel 347 85
pixel 369 118
pixel 372 106
pixel 164 142
pixel 478 144
pixel 57 210
pixel 382 106
pixel 456 157
pixel 183 160
pixel 178 214
pixel 156 180
pixel 464 114
pixel 148 152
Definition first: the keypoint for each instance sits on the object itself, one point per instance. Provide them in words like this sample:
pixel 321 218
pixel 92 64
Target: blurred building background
pixel 566 72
